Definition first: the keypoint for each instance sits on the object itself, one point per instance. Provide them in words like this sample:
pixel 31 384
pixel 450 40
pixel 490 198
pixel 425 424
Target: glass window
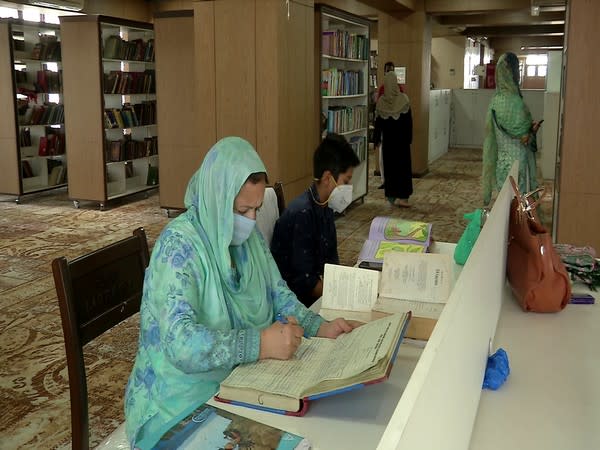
pixel 51 18
pixel 541 71
pixel 531 71
pixel 534 60
pixel 9 12
pixel 32 15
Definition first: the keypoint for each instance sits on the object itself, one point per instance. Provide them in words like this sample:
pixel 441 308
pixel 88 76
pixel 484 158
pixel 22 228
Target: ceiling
pixel 507 24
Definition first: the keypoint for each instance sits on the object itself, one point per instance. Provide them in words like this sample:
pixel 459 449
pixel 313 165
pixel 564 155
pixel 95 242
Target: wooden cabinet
pixel 109 73
pixel 182 135
pixel 252 76
pixel 32 132
pixel 344 83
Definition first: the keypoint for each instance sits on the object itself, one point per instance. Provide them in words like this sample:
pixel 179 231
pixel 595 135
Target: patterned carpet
pixel 33 377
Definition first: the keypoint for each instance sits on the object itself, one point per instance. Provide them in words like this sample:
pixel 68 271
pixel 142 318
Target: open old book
pixel 415 282
pixel 320 368
pixel 394 234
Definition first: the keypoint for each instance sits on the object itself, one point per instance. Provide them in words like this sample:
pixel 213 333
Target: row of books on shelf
pixel 57 171
pixel 52 144
pixel 146 176
pixel 127 149
pixel 359 145
pixel 128 116
pixel 116 47
pixel 343 44
pixel 342 119
pixel 46 114
pixel 119 82
pixel 47 49
pixel 45 81
pixel 335 82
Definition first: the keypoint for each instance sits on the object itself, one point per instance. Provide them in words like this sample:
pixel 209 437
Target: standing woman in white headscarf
pixel 393 123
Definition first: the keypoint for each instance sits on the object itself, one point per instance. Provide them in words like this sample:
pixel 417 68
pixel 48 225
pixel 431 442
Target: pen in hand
pixel 281 319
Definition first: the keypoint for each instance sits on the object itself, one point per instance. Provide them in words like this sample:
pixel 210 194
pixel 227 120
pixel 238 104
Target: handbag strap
pixel 526 203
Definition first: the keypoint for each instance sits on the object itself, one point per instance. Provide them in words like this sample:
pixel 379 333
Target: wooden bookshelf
pixel 109 73
pixel 32 134
pixel 343 74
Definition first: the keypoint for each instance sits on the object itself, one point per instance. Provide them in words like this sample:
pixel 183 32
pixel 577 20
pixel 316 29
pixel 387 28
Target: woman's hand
pixel 336 327
pixel 280 340
pixel 535 126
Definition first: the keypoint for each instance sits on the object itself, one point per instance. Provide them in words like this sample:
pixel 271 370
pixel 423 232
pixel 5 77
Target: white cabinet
pixel 469 110
pixel 440 101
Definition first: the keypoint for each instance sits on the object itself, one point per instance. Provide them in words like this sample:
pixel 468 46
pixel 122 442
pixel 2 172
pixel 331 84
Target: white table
pixel 551 399
pixel 356 419
pixel 353 420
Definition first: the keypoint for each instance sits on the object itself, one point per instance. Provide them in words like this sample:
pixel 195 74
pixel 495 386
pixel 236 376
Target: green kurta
pixel 500 150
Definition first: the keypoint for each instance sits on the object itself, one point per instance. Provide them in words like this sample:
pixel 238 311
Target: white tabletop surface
pixel 353 420
pixel 357 419
pixel 551 399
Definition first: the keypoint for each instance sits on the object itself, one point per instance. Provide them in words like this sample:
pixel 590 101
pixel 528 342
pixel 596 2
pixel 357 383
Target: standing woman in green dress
pixel 509 130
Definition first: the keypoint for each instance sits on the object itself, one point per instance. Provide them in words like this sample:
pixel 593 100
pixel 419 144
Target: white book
pixel 416 282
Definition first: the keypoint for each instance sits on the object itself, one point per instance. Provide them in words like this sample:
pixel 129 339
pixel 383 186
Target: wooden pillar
pixel 254 66
pixel 407 42
pixel 578 190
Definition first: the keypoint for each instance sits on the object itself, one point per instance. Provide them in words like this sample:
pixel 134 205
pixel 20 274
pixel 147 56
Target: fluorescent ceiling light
pixel 543 47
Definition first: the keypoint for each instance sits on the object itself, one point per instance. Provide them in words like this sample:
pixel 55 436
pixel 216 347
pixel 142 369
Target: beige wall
pixel 578 218
pixel 447 61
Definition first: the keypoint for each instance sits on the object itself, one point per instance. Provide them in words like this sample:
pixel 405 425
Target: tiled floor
pixel 33 377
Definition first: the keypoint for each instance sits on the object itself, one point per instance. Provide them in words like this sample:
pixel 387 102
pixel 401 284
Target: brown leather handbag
pixel 536 274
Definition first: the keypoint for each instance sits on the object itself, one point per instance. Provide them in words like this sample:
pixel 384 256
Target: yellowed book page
pixel 424 277
pixel 349 288
pixel 320 359
pixel 427 310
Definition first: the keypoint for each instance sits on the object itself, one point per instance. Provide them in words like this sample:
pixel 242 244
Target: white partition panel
pixel 438 407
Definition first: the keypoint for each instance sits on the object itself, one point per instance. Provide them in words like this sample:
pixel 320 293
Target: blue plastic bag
pixel 496 370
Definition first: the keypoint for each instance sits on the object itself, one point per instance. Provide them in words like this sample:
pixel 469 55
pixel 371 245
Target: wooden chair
pixel 272 207
pixel 278 187
pixel 95 292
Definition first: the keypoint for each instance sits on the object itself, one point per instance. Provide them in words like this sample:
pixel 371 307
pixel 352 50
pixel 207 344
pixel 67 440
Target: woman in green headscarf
pixel 509 128
pixel 211 295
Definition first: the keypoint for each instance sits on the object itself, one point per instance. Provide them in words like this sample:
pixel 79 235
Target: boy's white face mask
pixel 340 198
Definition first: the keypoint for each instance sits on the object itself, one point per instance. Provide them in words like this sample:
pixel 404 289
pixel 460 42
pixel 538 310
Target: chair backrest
pixel 268 214
pixel 95 292
pixel 278 188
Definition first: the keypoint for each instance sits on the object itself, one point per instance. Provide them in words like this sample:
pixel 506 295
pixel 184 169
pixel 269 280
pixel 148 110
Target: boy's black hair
pixel 334 154
pixel 388 64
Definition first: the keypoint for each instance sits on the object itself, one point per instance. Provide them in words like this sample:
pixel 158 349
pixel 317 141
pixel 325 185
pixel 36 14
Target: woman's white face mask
pixel 242 227
pixel 340 198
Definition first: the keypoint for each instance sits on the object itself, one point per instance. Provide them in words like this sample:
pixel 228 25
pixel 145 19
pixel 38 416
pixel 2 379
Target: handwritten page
pixel 320 359
pixel 349 288
pixel 423 277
